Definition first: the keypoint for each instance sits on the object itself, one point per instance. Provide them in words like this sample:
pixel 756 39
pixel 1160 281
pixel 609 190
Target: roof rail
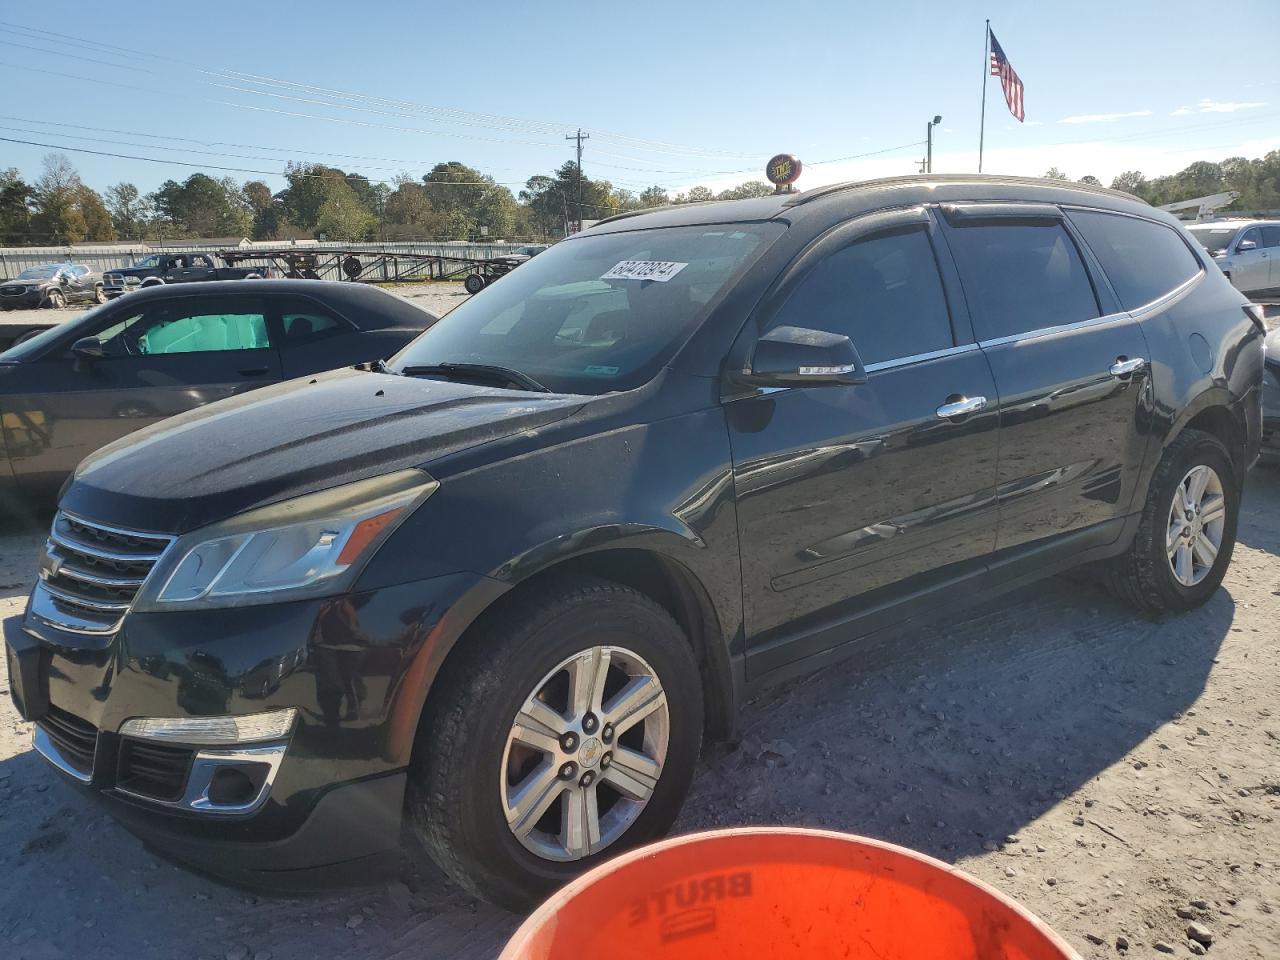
pixel 818 193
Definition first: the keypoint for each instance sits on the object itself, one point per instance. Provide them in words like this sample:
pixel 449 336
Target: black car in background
pixel 117 368
pixel 502 587
pixel 162 268
pixel 52 285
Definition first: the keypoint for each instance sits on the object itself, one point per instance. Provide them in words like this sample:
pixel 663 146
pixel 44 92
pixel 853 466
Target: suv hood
pixel 290 439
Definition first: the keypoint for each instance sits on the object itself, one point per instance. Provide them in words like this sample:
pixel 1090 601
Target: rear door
pixel 1271 243
pixel 1070 370
pixel 162 358
pixel 850 497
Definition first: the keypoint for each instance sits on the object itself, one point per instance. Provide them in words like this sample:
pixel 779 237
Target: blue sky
pixel 672 93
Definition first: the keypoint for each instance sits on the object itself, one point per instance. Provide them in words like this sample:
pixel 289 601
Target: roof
pixel 362 303
pixel 860 196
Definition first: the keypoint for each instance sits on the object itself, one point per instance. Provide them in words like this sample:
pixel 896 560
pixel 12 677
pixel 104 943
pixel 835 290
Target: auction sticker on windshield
pixel 660 270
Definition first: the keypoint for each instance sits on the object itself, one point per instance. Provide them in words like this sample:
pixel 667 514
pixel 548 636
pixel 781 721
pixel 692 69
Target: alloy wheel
pixel 1196 522
pixel 584 753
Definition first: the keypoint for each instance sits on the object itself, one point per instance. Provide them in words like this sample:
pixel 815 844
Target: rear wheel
pixel 99 295
pixel 1187 531
pixel 568 731
pixel 474 283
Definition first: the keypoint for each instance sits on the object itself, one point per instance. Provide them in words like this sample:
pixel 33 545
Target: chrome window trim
pixel 44 745
pixel 920 358
pixel 1142 313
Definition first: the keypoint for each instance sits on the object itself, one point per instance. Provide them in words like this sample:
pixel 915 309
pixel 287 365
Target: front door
pixel 850 496
pixel 1251 269
pixel 161 358
pixel 1070 379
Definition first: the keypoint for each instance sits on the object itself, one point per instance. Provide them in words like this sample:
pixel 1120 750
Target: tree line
pixel 1257 182
pixel 452 201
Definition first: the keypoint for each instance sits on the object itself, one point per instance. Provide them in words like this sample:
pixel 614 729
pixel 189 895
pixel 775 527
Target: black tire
pixel 99 295
pixel 454 797
pixel 474 283
pixel 54 300
pixel 1143 575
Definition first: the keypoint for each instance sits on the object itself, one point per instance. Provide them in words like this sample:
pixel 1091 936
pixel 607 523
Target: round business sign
pixel 783 170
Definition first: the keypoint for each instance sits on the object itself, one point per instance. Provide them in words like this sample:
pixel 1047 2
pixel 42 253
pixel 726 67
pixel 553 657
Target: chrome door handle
pixel 961 408
pixel 1124 367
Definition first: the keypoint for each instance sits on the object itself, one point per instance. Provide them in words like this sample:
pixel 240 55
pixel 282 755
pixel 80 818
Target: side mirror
pixel 798 356
pixel 86 351
pixel 1244 246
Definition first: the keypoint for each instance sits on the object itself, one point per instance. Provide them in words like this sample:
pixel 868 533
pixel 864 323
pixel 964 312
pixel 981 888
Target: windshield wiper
pixel 477 371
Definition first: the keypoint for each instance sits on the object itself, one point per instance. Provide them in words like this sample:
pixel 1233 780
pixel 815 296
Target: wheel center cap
pixel 590 752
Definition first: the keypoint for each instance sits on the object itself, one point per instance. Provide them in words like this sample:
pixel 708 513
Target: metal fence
pixel 13 260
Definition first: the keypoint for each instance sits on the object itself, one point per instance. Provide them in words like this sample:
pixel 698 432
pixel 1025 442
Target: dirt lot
pixel 1118 776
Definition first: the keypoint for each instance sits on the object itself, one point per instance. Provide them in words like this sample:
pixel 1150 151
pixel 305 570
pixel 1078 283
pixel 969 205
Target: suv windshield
pixel 596 313
pixel 40 273
pixel 1214 239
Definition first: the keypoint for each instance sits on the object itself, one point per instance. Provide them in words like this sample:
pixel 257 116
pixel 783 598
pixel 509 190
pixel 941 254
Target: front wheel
pixel 567 732
pixel 55 300
pixel 99 295
pixel 1187 530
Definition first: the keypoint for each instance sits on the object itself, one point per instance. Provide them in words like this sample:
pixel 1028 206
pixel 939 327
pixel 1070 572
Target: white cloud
pixel 1033 123
pixel 1181 112
pixel 1104 117
pixel 1207 105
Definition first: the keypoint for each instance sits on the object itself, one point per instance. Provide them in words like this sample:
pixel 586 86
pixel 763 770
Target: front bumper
pixel 1270 448
pixel 26 300
pixel 351 666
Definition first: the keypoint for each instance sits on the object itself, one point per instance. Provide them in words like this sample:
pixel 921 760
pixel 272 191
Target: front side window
pixel 1253 236
pixel 1144 260
pixel 883 293
pixel 1020 277
pixel 1271 236
pixel 188 327
pixel 595 314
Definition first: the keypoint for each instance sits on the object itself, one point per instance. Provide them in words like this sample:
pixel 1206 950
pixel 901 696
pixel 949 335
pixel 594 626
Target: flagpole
pixel 986 72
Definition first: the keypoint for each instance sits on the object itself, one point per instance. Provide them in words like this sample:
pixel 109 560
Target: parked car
pixel 52 285
pixel 505 585
pixel 120 367
pixel 160 268
pixel 1248 251
pixel 1271 401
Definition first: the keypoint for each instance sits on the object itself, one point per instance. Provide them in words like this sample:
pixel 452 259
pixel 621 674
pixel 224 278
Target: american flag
pixel 1002 68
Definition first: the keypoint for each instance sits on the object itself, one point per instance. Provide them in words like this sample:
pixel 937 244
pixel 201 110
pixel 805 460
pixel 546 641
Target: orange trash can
pixel 781 893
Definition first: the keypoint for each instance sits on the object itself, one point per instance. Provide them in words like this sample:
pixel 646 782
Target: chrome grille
pixel 90 573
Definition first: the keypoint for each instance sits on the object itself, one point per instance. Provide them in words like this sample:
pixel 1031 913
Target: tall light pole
pixel 928 156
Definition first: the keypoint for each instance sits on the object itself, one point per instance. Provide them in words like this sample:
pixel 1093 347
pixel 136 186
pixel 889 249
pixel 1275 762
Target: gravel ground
pixel 1118 776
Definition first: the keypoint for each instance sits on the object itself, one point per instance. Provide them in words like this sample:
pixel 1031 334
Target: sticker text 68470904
pixel 660 270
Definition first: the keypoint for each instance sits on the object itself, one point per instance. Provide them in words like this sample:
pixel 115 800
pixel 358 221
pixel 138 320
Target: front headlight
pixel 309 546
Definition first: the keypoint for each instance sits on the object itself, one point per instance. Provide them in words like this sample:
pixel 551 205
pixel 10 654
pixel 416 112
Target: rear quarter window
pixel 1144 260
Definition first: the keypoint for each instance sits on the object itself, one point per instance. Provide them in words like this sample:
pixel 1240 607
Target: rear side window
pixel 304 322
pixel 884 294
pixel 1271 236
pixel 1144 260
pixel 1020 277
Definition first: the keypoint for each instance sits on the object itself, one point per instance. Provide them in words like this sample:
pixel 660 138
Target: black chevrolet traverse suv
pixel 501 587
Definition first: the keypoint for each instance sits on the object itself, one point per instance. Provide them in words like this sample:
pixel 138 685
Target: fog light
pixel 213 731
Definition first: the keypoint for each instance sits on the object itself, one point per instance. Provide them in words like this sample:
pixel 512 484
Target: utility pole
pixel 579 136
pixel 928 156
